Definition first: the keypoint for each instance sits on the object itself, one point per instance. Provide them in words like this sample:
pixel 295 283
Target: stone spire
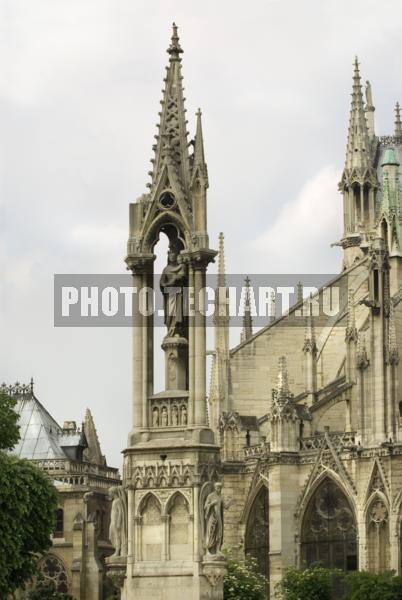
pixel 247 318
pixel 93 452
pixel 358 146
pixel 219 390
pixel 171 140
pixel 221 261
pixel 199 164
pixel 309 345
pixel 369 110
pixel 398 122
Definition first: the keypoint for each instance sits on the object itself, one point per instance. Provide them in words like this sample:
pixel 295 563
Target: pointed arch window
pixel 329 529
pixel 59 526
pixel 257 531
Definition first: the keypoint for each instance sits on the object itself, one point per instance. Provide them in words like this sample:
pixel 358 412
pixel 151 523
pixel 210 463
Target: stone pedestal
pixel 116 570
pixel 176 355
pixel 213 572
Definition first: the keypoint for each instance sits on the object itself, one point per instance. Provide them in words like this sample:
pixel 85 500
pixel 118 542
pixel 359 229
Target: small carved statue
pixel 171 284
pixel 175 416
pixel 118 521
pixel 213 516
pixel 155 417
pixel 183 415
pixel 164 417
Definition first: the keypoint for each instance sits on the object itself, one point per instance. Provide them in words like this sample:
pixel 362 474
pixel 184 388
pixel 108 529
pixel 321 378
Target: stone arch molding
pixel 327 464
pixel 165 499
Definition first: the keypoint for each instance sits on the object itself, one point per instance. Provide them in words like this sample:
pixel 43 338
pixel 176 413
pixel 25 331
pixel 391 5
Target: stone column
pixel 200 408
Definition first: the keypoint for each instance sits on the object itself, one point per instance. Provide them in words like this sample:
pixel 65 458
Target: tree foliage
pixel 315 583
pixel 243 582
pixel 9 428
pixel 373 586
pixel 28 502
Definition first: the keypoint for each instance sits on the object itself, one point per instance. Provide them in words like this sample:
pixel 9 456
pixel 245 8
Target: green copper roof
pixel 389 157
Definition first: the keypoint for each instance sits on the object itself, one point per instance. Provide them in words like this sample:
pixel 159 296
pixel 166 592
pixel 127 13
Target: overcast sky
pixel 80 84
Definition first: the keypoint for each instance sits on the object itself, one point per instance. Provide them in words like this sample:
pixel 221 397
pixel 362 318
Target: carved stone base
pixel 176 352
pixel 214 571
pixel 116 570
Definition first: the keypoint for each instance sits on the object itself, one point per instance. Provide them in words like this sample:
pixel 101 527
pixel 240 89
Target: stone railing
pixel 77 473
pixel 256 451
pixel 340 441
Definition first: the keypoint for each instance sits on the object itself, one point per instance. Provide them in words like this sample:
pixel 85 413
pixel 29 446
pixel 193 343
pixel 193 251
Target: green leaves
pixel 373 586
pixel 28 502
pixel 318 583
pixel 9 429
pixel 243 582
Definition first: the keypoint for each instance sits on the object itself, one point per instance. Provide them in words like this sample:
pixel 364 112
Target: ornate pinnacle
pixel 351 331
pixel 247 320
pixel 357 155
pixel 393 353
pixel 221 261
pixel 398 122
pixel 175 49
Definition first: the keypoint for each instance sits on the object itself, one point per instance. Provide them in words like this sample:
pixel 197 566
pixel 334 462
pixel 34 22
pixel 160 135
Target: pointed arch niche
pixel 151 531
pixel 378 541
pixel 180 530
pixel 329 529
pixel 257 531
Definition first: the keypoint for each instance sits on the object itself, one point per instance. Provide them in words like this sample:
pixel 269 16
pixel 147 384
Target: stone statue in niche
pixel 164 417
pixel 212 520
pixel 118 521
pixel 155 417
pixel 175 416
pixel 171 283
pixel 183 415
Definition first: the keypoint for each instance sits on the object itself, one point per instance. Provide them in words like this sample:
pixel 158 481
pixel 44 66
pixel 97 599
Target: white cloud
pixel 297 241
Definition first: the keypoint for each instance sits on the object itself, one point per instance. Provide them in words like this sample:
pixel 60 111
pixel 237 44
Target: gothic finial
pixel 175 49
pixel 31 385
pixel 299 297
pixel 199 157
pixel 221 261
pixel 357 155
pixel 369 109
pixel 247 319
pixel 309 337
pixel 398 122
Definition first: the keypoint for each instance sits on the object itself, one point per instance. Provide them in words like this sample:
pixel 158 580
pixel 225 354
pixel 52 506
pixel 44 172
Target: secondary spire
pixel 357 154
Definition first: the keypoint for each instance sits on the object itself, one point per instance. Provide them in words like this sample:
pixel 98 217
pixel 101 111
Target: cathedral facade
pixel 302 425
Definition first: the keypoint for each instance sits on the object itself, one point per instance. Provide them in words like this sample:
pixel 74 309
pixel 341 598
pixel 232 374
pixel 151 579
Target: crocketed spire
pixel 171 140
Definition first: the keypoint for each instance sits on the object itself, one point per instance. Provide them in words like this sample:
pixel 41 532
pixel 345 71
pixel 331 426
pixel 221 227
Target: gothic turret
pixel 359 180
pixel 283 417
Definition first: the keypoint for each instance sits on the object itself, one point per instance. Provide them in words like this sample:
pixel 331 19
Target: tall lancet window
pixel 329 529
